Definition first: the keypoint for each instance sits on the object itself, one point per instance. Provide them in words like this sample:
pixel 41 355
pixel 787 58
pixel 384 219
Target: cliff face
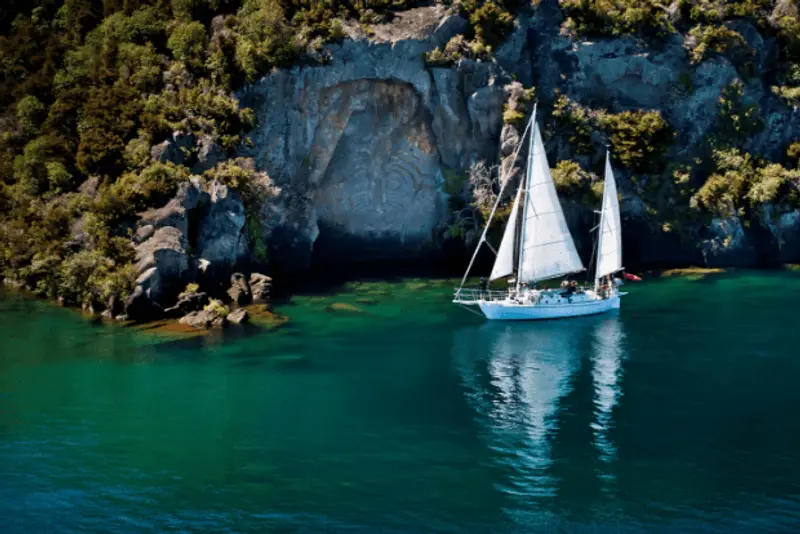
pixel 361 147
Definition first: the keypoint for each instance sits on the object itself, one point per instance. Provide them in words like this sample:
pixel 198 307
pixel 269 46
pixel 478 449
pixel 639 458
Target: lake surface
pixel 395 411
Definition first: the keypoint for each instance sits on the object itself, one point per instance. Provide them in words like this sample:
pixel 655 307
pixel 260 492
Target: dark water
pixel 679 413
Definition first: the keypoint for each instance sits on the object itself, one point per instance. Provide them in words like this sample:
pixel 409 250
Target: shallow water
pixel 383 407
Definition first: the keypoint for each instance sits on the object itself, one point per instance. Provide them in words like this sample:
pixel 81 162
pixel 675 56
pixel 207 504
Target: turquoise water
pixel 384 408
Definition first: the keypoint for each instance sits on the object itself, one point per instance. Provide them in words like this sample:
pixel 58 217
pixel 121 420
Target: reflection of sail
pixel 607 348
pixel 516 376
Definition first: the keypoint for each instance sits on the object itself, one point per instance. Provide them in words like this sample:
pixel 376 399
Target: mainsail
pixel 504 264
pixel 609 248
pixel 548 250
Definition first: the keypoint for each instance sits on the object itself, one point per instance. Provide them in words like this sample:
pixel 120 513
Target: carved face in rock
pixel 381 178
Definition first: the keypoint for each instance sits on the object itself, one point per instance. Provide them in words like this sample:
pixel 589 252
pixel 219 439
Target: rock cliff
pixel 361 147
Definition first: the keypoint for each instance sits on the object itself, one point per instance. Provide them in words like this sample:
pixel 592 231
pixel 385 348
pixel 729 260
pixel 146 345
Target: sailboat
pixel 537 246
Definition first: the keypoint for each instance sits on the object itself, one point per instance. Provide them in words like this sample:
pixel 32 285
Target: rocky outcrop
pixel 220 235
pixel 177 149
pixel 214 315
pixel 260 286
pixel 164 264
pixel 188 302
pixel 360 146
pixel 239 316
pixel 239 292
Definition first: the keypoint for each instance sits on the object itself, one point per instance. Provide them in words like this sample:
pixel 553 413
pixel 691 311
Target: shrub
pixel 736 120
pixel 616 17
pixel 639 139
pixel 188 43
pixel 575 122
pixel 573 182
pixel 704 41
pixel 491 23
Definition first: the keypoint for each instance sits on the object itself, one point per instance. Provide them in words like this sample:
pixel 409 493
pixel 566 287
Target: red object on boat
pixel 633 277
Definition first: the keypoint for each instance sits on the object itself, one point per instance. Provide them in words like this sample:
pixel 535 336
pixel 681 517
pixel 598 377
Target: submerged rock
pixel 343 307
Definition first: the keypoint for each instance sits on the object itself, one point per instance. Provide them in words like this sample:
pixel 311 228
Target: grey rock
pixel 176 149
pixel 187 303
pixel 726 243
pixel 220 239
pixel 176 212
pixel 143 233
pixel 239 292
pixel 209 153
pixel 260 285
pixel 211 316
pixel 164 265
pixel 449 27
pixel 90 186
pixel 359 147
pixel 239 316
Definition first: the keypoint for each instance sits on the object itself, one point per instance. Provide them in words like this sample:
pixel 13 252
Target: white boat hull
pixel 512 311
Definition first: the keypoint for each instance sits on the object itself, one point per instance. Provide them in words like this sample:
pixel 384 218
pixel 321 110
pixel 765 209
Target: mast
pixel 482 240
pixel 527 183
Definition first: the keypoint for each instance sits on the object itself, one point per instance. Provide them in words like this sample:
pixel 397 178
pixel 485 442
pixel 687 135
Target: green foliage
pixel 150 187
pixel 741 182
pixel 517 104
pixel 454 182
pixel 30 114
pixel 217 307
pixel 256 188
pixel 490 24
pixel 191 288
pixel 639 139
pixel 793 152
pixel 616 17
pixel 572 181
pixel 737 120
pixel 574 121
pixel 704 41
pixel 188 42
pixel 264 37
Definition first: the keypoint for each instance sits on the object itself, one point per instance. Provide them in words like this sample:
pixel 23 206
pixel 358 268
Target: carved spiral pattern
pixel 381 179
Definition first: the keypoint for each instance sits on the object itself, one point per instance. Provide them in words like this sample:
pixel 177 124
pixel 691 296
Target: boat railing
pixel 466 295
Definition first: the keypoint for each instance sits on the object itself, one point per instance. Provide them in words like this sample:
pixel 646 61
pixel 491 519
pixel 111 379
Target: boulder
pixel 209 153
pixel 164 267
pixel 260 285
pixel 176 149
pixel 188 302
pixel 239 292
pixel 239 316
pixel 175 213
pixel 215 314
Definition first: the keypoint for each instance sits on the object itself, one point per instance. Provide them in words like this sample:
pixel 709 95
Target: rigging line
pixel 594 252
pixel 494 209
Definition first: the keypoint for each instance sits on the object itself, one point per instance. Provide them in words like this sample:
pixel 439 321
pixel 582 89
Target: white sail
pixel 504 263
pixel 548 250
pixel 609 247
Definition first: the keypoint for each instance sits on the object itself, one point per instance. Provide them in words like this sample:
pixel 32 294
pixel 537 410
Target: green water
pixel 679 413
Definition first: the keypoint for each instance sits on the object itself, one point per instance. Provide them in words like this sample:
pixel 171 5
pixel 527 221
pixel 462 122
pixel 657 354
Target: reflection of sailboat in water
pixel 516 376
pixel 607 349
